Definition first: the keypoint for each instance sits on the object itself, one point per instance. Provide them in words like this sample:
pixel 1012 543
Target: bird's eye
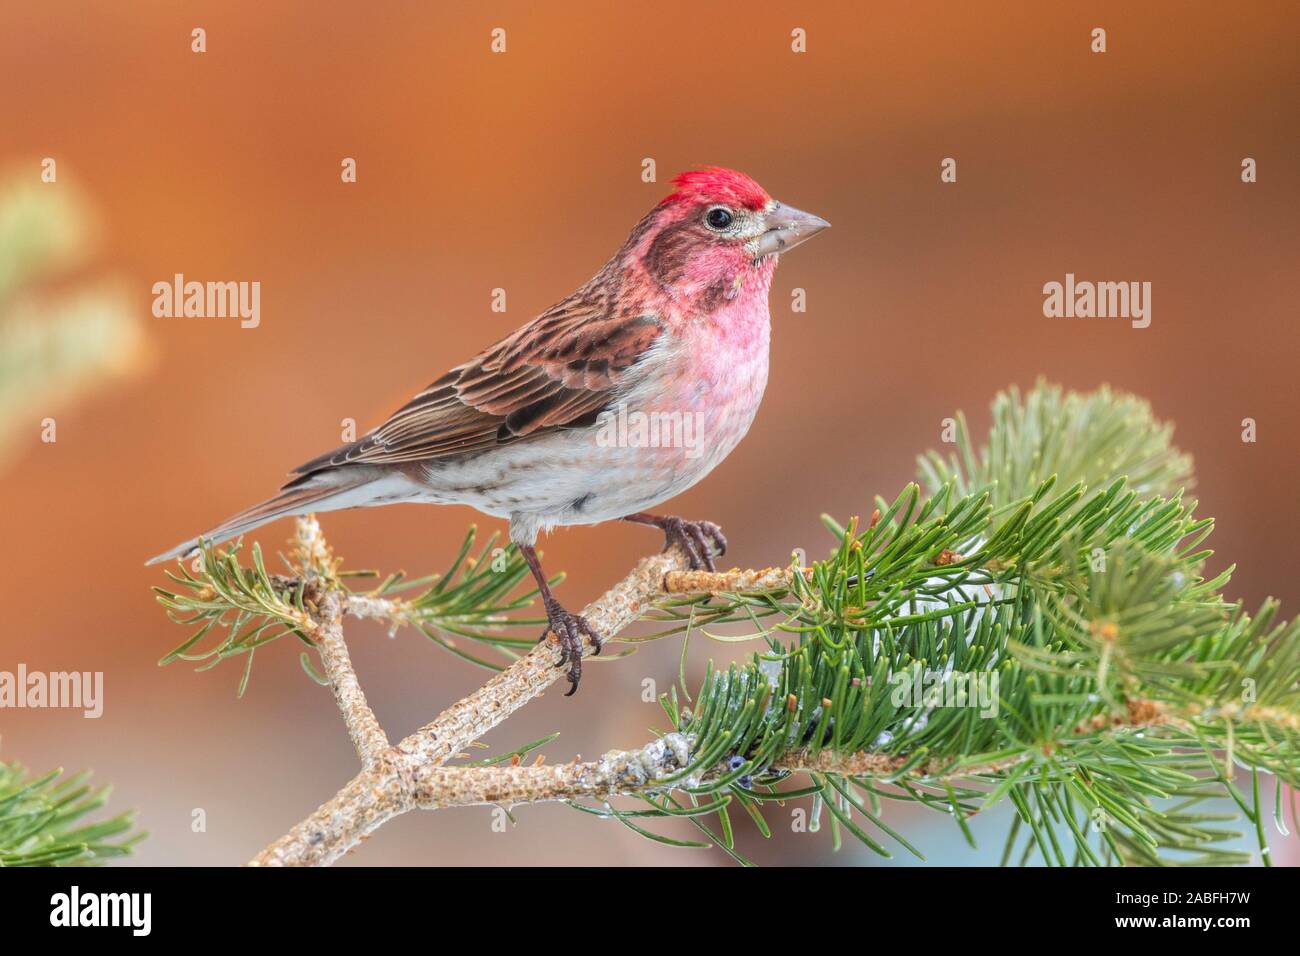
pixel 719 217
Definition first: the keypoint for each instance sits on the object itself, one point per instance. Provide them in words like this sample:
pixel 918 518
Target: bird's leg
pixel 698 539
pixel 569 628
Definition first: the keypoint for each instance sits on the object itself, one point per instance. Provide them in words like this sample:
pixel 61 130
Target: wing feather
pixel 561 370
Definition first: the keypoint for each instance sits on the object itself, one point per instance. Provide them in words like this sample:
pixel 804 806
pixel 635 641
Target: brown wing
pixel 560 370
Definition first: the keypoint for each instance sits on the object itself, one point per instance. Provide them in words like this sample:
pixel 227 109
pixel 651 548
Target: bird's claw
pixel 569 628
pixel 699 539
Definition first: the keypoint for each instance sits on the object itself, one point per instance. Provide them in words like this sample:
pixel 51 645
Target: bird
pixel 615 399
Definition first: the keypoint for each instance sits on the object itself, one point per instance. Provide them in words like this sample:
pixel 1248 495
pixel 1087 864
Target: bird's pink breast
pixel 716 373
pixel 697 393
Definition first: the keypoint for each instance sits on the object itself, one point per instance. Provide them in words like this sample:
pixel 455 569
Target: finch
pixel 615 399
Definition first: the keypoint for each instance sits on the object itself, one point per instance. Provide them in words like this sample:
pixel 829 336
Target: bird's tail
pixel 338 493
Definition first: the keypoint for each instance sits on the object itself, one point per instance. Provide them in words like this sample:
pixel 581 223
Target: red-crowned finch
pixel 613 400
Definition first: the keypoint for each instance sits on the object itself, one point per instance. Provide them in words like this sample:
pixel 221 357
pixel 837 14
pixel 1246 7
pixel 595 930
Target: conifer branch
pixel 1059 564
pixel 43 821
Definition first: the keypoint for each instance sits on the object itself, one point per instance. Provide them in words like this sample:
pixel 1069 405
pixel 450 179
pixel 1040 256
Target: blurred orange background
pixel 522 171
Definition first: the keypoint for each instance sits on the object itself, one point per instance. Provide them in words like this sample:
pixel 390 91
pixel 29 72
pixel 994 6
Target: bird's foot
pixel 699 539
pixel 569 628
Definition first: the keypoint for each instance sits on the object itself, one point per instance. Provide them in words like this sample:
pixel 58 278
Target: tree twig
pixel 729 582
pixel 363 727
pixel 391 784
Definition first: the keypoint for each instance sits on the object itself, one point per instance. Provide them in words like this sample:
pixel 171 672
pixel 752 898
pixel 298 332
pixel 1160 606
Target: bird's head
pixel 716 228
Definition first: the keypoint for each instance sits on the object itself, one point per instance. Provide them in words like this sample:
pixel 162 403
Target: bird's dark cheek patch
pixel 666 258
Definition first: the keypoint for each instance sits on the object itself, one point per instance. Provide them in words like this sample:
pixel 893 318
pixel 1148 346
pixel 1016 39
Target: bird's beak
pixel 786 228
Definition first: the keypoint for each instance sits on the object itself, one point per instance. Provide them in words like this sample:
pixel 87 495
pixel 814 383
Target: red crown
pixel 715 184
